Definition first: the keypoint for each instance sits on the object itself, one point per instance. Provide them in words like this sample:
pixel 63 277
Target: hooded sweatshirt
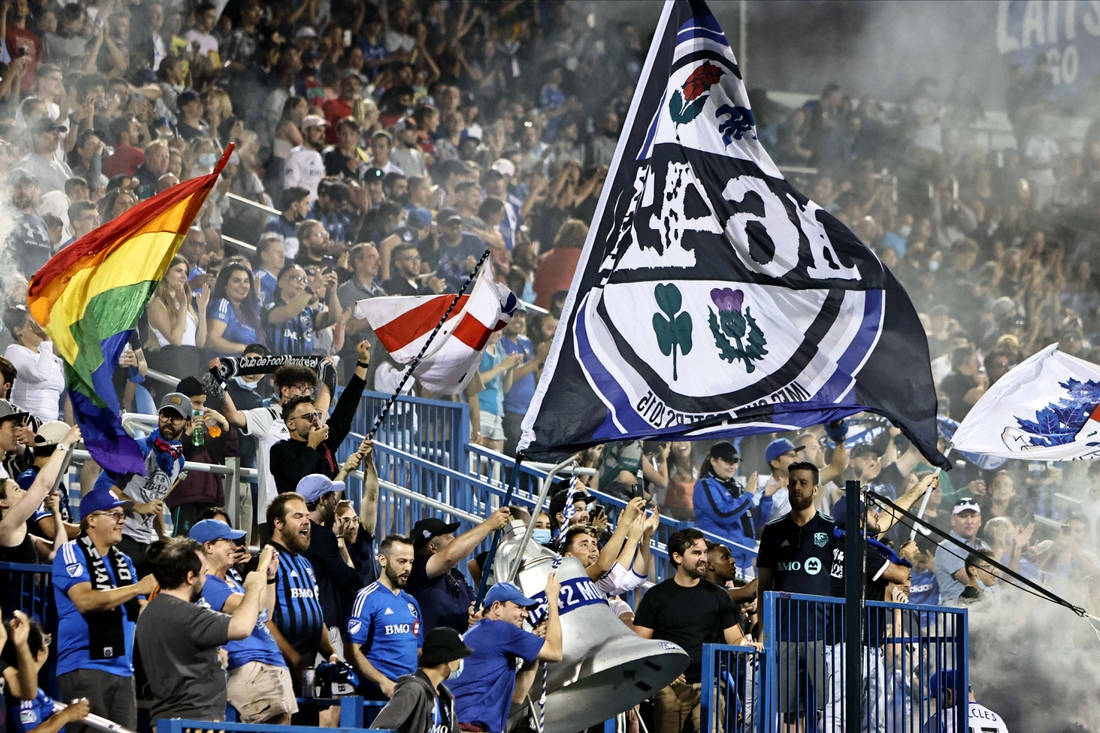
pixel 416 707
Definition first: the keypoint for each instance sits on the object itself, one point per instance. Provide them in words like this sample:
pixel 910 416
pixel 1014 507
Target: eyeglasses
pixel 172 417
pixel 298 279
pixel 118 515
pixel 310 416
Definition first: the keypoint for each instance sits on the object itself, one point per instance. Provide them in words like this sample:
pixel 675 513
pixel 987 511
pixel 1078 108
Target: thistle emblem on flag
pixel 687 102
pixel 736 334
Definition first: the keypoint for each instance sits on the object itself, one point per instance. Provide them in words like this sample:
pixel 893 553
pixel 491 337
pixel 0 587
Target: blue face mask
pixel 245 385
pixel 455 673
pixel 933 266
pixel 541 536
pixel 208 160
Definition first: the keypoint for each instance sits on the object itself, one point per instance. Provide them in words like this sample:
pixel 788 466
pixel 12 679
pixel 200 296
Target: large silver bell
pixel 606 669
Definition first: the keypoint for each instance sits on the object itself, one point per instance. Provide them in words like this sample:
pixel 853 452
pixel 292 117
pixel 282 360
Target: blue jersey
pixel 491 398
pixel 387 628
pixel 27 478
pixel 295 334
pixel 267 283
pixel 924 588
pixel 236 330
pixel 260 646
pixel 69 569
pixel 483 692
pixel 29 714
pixel 518 398
pixel 298 614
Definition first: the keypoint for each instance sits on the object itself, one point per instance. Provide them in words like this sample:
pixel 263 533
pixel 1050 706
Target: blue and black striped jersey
pixel 298 614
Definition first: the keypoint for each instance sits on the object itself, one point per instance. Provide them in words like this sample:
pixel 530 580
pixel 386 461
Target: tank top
pixel 23 552
pixel 189 331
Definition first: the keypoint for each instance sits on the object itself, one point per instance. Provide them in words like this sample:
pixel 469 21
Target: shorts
pixel 801 666
pixel 336 638
pixel 492 426
pixel 261 691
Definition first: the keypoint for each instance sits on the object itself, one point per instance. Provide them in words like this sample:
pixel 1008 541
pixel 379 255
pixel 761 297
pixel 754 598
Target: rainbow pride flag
pixel 89 297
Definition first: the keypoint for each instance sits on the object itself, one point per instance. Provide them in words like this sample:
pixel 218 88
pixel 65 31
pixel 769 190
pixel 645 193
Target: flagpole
pixel 928 494
pixel 416 360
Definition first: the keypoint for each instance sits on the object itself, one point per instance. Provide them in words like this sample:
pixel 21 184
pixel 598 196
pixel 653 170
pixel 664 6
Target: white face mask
pixel 456 672
pixel 243 384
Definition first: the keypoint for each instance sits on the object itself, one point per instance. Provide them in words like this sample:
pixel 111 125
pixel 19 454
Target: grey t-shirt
pixel 948 563
pixel 178 643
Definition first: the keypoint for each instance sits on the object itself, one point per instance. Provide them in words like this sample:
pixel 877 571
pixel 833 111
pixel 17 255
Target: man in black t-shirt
pixel 878 572
pixel 687 610
pixel 795 554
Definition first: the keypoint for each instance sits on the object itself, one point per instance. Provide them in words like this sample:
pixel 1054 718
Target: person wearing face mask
pixel 420 701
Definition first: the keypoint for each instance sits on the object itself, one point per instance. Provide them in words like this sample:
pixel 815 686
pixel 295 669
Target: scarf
pixel 245 366
pixel 106 639
pixel 888 553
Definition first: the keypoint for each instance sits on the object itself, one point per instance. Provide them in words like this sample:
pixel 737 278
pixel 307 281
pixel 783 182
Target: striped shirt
pixel 298 614
pixel 295 334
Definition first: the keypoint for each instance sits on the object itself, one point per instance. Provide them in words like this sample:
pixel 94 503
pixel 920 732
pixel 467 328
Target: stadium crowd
pixel 381 148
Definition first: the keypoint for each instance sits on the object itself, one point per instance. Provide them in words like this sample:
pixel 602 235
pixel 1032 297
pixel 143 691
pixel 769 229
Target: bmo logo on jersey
pixel 811 567
pixel 391 629
pixel 301 593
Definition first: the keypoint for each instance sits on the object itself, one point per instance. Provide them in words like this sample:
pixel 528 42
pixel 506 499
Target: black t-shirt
pixel 689 617
pixel 874 589
pixel 955 386
pixel 799 558
pixel 444 600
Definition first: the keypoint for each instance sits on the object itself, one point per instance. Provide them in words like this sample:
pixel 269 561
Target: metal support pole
pixel 853 608
pixel 544 490
pixel 743 40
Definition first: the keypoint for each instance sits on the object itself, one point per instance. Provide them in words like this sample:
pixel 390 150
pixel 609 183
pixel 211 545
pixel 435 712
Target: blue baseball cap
pixel 418 218
pixel 939 683
pixel 101 500
pixel 840 510
pixel 316 485
pixel 779 447
pixel 502 592
pixel 209 530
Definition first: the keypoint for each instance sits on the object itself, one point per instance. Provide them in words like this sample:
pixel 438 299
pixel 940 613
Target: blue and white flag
pixel 713 299
pixel 1045 409
pixel 948 427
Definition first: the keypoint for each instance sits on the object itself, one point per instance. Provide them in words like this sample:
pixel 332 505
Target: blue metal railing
pixel 435 429
pixel 731 689
pixel 905 644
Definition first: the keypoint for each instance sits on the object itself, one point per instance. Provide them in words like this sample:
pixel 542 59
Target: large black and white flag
pixel 712 298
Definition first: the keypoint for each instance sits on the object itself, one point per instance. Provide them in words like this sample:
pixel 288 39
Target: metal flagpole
pixel 853 611
pixel 927 495
pixel 416 361
pixel 94 721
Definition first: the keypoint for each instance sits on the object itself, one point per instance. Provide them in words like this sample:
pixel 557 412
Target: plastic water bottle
pixel 198 437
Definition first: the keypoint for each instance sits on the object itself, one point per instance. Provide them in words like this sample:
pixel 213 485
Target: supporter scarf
pixel 106 639
pixel 245 366
pixel 165 447
pixel 888 553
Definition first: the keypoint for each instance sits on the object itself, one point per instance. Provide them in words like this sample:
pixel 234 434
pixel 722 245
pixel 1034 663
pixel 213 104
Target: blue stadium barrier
pixel 904 645
pixel 29 588
pixel 731 687
pixel 435 429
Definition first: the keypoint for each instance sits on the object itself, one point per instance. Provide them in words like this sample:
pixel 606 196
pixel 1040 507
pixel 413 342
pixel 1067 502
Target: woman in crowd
pixel 41 376
pixel 682 475
pixel 179 331
pixel 723 507
pixel 496 375
pixel 234 314
pixel 296 313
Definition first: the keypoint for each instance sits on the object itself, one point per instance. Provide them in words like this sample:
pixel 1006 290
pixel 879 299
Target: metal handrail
pixel 162 377
pixel 254 204
pixel 421 499
pixel 239 243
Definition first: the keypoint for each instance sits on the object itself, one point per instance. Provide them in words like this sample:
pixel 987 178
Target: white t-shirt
pixel 1042 151
pixel 984 720
pixel 40 382
pixel 619 580
pixel 207 43
pixel 266 424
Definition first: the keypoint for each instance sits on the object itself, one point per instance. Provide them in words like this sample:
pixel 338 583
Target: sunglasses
pixel 310 416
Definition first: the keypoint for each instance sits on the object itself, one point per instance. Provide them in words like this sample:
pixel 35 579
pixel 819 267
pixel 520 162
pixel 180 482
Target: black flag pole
pixel 853 606
pixel 416 360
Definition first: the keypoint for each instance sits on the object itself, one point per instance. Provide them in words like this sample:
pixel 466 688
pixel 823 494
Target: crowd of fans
pixel 380 149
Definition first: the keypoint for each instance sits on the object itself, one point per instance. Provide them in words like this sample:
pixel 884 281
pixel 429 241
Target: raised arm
pixel 16 516
pixel 449 557
pixel 247 613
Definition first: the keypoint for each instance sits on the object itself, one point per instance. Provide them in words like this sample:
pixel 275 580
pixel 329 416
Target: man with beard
pixel 713 619
pixel 163 454
pixel 313 443
pixel 795 554
pixel 179 638
pixel 258 684
pixel 385 628
pixel 299 622
pixel 304 165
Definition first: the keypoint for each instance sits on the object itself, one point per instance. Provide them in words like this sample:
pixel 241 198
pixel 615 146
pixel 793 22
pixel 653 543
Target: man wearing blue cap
pixel 259 685
pixel 943 687
pixel 483 694
pixel 98 597
pixel 779 454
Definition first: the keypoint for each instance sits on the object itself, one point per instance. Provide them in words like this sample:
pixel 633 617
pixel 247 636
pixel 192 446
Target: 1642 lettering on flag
pixel 712 298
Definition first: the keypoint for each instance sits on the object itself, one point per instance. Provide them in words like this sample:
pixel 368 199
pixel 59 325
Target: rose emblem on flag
pixel 736 334
pixel 686 103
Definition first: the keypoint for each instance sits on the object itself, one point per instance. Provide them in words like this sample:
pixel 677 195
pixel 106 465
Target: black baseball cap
pixel 557 501
pixel 425 529
pixel 442 645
